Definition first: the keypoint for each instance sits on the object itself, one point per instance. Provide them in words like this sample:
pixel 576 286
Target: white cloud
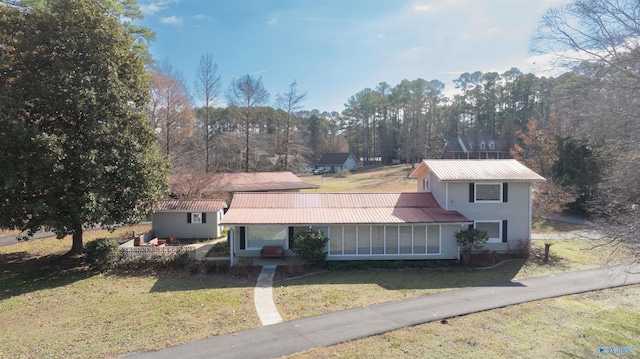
pixel 156 6
pixel 273 22
pixel 435 5
pixel 171 20
pixel 200 17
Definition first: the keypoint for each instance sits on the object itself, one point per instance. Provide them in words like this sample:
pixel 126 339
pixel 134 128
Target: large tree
pixel 247 93
pixel 77 148
pixel 207 87
pixel 290 102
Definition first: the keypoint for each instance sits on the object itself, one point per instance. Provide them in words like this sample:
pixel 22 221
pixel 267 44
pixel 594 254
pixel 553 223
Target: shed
pixel 188 218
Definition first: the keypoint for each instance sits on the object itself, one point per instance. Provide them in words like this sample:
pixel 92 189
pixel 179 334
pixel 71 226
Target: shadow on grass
pixel 22 273
pixel 445 277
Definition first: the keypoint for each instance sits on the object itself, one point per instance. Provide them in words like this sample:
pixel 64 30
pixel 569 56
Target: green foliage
pixel 77 146
pixel 469 240
pixel 102 253
pixel 577 167
pixel 310 245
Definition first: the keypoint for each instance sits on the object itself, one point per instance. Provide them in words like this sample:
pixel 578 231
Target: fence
pixel 137 253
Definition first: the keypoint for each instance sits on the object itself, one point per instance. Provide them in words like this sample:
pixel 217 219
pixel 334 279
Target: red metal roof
pixel 168 205
pixel 478 170
pixel 337 208
pixel 258 181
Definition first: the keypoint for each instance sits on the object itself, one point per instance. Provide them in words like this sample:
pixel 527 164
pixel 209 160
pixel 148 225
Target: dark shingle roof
pixel 334 158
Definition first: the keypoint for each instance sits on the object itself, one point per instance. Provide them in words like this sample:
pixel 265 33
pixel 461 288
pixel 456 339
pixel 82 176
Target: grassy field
pixel 567 327
pixel 52 306
pixel 369 179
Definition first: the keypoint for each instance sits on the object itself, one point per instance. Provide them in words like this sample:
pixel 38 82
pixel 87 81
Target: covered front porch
pixel 353 242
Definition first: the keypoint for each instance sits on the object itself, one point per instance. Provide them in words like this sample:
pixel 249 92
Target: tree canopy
pixel 78 149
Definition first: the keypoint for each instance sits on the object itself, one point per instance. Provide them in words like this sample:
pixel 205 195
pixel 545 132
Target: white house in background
pixel 336 162
pixel 495 194
pixel 360 226
pixel 188 218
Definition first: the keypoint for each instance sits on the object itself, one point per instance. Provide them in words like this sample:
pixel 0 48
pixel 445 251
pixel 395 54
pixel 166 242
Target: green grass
pixel 342 289
pixel 368 179
pixel 51 305
pixel 567 327
pixel 550 226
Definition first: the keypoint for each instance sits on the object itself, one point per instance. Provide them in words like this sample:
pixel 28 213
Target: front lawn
pixel 342 289
pixel 53 306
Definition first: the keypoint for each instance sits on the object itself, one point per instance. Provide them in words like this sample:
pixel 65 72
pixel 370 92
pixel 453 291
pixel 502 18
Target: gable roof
pixel 334 158
pixel 168 205
pixel 259 181
pixel 338 208
pixel 477 170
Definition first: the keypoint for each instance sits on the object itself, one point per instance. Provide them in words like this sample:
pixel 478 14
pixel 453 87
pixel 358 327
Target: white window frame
pixel 248 238
pixel 492 145
pixel 482 145
pixel 492 239
pixel 500 191
pixel 196 218
pixel 425 184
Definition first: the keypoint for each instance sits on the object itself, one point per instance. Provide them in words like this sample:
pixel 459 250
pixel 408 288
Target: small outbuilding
pixel 336 162
pixel 188 218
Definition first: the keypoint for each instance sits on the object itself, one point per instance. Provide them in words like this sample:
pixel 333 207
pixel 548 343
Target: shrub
pixel 469 240
pixel 342 174
pixel 310 245
pixel 102 253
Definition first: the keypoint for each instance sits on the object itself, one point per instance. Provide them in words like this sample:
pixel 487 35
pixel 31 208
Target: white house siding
pixel 350 164
pixel 175 223
pixel 516 211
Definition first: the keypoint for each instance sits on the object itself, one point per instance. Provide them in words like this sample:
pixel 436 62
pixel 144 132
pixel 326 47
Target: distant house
pixel 336 162
pixel 188 218
pixel 226 184
pixel 483 147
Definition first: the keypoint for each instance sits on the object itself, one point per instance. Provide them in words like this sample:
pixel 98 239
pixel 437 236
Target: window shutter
pixel 504 231
pixel 471 226
pixel 291 237
pixel 189 217
pixel 472 194
pixel 505 192
pixel 204 217
pixel 243 237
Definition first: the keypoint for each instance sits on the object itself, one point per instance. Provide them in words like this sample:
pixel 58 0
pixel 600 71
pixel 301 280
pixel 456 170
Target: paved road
pixel 274 341
pixel 10 240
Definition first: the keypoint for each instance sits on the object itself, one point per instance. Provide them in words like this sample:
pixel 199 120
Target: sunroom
pixel 360 226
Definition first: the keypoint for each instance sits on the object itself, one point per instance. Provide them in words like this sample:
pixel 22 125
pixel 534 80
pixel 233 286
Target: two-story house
pixel 494 195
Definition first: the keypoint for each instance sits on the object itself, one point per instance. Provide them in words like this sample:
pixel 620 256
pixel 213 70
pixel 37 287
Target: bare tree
pixel 208 88
pixel 592 30
pixel 171 111
pixel 290 102
pixel 247 93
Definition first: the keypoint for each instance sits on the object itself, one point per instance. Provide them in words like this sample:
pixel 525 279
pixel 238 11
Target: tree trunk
pixel 76 247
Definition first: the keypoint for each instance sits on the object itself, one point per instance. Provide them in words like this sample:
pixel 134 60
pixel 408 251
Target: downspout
pixel 231 235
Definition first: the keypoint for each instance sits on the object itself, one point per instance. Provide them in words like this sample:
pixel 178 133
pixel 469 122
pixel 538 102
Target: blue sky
pixel 333 49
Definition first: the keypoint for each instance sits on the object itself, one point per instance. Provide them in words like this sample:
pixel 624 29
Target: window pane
pixel 392 239
pixel 433 239
pixel 492 228
pixel 488 192
pixel 377 239
pixel 364 239
pixel 335 240
pixel 405 239
pixel 349 239
pixel 258 236
pixel 419 239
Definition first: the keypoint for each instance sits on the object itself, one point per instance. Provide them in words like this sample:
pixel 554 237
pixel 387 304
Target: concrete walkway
pixel 263 297
pixel 274 341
